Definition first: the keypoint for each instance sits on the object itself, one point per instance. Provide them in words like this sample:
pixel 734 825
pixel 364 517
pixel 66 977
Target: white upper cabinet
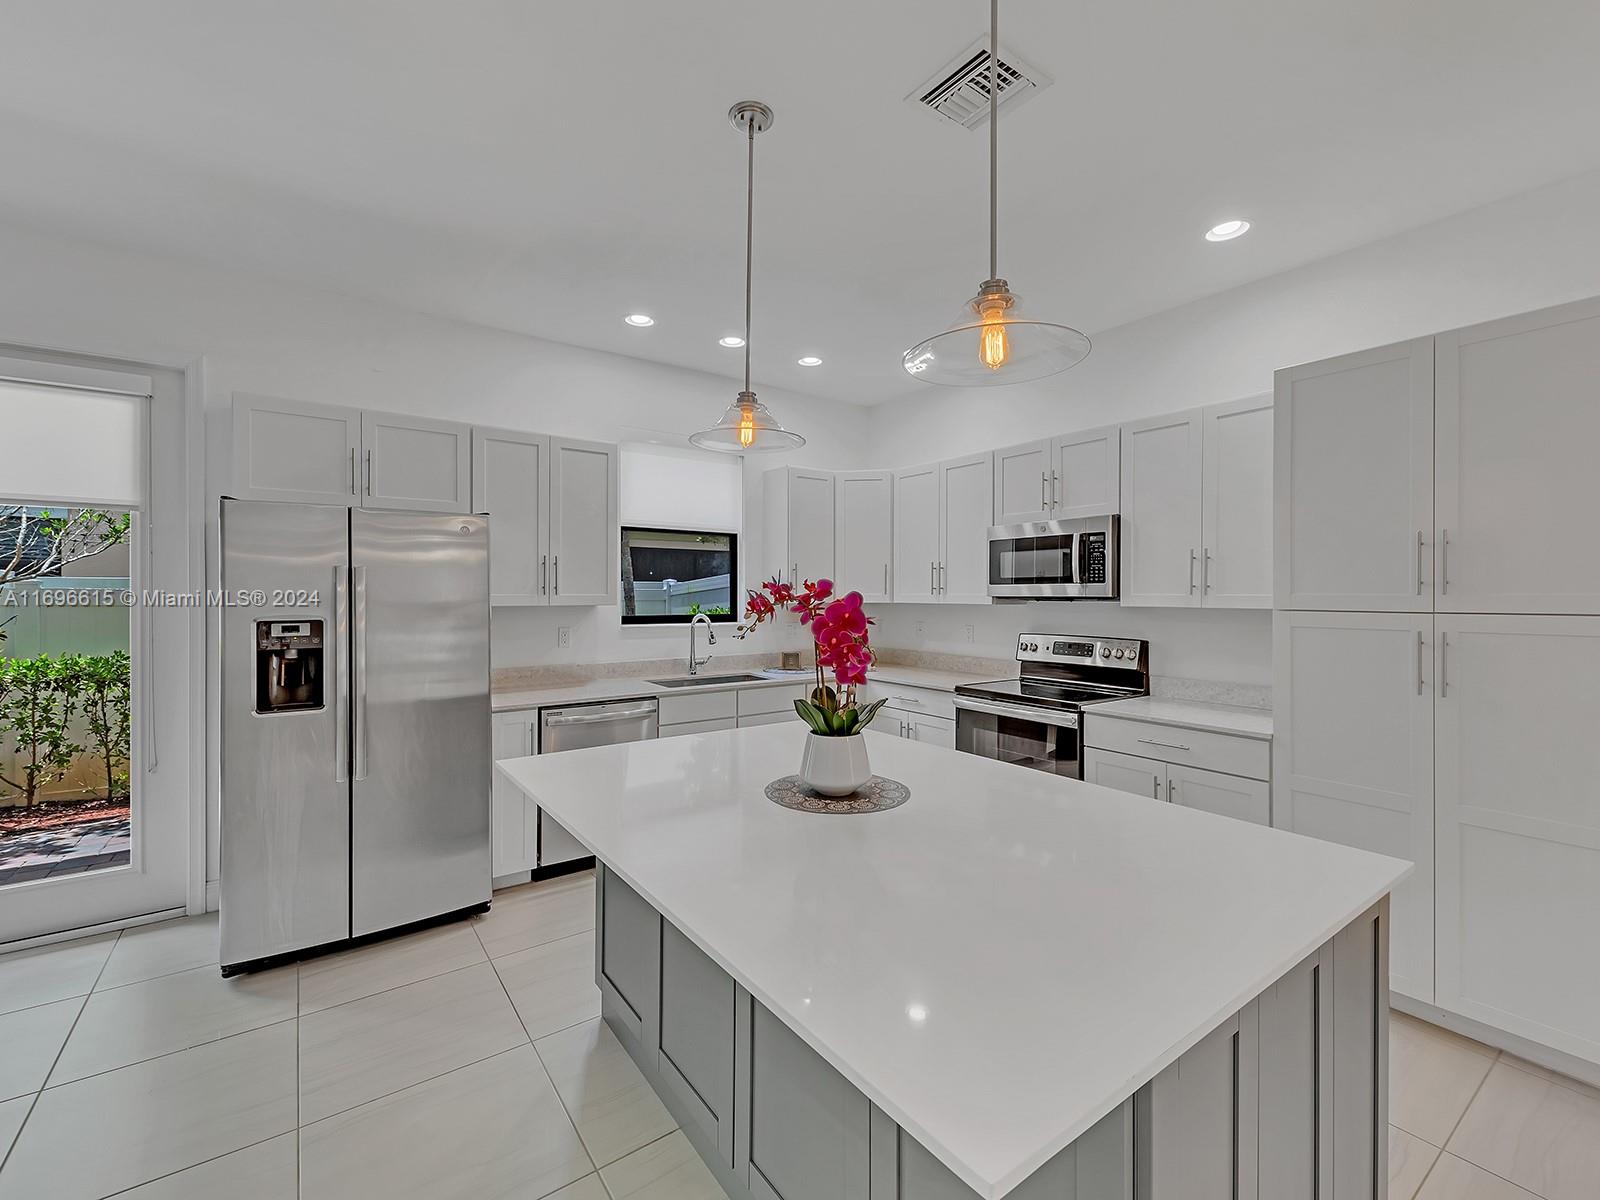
pixel 511 482
pixel 1518 412
pixel 1353 712
pixel 863 509
pixel 1519 825
pixel 1022 483
pixel 1162 536
pixel 1086 480
pixel 1354 462
pixel 1059 479
pixel 917 510
pixel 1236 504
pixel 967 488
pixel 286 450
pixel 415 463
pixel 582 522
pixel 799 523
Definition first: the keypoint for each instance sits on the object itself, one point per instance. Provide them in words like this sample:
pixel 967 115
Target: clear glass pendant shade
pixel 747 426
pixel 994 342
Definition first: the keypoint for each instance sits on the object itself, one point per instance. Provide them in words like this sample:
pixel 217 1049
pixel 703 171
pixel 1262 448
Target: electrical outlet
pixel 971 633
pixel 563 635
pixel 922 629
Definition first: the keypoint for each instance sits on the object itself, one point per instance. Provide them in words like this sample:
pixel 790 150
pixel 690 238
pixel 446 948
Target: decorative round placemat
pixel 876 795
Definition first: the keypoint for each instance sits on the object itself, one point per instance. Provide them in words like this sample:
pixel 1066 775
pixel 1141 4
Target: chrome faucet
pixel 695 663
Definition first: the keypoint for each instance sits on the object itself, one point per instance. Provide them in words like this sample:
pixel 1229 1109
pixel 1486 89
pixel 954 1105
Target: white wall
pixel 1533 250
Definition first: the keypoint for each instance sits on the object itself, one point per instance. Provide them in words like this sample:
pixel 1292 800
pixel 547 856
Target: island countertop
pixel 998 963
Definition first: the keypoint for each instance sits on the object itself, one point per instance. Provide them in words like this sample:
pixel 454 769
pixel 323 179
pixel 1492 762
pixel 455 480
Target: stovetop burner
pixel 1042 694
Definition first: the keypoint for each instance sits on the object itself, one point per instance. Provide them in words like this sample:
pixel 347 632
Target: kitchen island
pixel 1014 984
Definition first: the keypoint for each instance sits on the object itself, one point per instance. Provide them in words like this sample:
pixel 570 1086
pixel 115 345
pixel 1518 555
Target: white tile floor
pixel 469 1061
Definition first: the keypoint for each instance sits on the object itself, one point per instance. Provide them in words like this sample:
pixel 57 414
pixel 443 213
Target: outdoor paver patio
pixel 65 850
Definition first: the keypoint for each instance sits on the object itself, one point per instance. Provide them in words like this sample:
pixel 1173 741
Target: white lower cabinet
pixel 1192 787
pixel 684 728
pixel 1125 772
pixel 1353 726
pixel 1225 795
pixel 514 820
pixel 1516 717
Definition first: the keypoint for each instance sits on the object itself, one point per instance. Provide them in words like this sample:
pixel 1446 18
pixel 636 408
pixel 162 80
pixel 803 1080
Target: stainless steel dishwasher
pixel 576 727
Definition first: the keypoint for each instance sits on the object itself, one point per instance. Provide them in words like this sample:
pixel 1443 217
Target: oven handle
pixel 1039 716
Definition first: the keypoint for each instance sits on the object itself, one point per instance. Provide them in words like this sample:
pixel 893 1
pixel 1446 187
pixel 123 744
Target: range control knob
pixel 1105 651
pixel 1118 654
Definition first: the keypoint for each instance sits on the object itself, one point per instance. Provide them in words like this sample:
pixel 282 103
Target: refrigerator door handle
pixel 341 674
pixel 359 585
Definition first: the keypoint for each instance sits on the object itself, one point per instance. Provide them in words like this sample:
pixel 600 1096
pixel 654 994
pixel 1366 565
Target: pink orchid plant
pixel 839 631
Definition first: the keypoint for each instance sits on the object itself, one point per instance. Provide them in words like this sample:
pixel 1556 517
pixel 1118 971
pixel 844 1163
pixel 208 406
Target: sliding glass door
pixel 91 832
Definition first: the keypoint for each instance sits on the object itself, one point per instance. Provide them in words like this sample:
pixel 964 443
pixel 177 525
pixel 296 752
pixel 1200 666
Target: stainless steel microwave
pixel 1055 560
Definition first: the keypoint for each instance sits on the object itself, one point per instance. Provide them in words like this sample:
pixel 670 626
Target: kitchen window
pixel 669 576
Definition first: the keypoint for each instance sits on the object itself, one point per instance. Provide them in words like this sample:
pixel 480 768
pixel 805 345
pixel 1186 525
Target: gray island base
pixel 1285 1100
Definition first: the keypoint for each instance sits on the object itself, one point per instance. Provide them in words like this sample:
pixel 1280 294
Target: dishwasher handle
pixel 555 719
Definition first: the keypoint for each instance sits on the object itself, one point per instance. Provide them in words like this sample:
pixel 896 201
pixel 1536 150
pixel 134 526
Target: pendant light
pixel 748 424
pixel 994 341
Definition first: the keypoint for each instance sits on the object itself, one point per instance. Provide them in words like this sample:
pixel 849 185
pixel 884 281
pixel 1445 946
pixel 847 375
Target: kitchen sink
pixel 707 680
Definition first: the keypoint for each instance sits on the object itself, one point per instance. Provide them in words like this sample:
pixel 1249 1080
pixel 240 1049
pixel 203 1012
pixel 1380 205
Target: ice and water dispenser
pixel 288 666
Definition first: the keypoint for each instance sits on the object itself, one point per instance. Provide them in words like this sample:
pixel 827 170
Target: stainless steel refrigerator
pixel 355 724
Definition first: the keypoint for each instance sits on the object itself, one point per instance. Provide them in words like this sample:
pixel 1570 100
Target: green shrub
pixel 101 686
pixel 36 704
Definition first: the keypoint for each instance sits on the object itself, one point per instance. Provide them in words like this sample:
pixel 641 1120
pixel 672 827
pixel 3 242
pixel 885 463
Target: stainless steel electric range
pixel 1034 719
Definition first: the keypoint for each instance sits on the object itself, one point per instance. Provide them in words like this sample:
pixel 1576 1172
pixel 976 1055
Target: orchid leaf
pixel 812 716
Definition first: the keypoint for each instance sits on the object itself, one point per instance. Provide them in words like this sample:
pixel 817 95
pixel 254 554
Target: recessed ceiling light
pixel 917 1012
pixel 639 320
pixel 809 360
pixel 733 341
pixel 1227 231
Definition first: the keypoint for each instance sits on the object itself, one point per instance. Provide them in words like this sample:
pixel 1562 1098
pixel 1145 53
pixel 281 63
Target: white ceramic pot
pixel 835 766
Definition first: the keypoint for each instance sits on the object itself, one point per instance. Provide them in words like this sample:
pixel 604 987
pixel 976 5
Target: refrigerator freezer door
pixel 285 798
pixel 420 795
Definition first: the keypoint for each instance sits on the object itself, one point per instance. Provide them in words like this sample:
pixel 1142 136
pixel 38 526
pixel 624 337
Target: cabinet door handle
pixel 1192 557
pixel 1155 791
pixel 907 699
pixel 369 472
pixel 794 574
pixel 1444 561
pixel 1044 491
pixel 544 574
pixel 1165 745
pixel 1172 788
pixel 1420 545
pixel 933 578
pixel 1205 571
pixel 1055 490
pixel 1444 665
pixel 885 579
pixel 1419 664
pixel 354 490
pixel 941 579
pixel 555 575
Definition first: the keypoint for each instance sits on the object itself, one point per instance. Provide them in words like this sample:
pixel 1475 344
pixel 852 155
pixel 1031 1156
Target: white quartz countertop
pixel 636 687
pixel 998 963
pixel 1192 714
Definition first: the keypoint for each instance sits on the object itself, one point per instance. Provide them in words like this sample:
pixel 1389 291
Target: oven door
pixel 1039 739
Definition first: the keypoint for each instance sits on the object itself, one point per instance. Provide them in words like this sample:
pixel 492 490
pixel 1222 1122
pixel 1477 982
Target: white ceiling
pixel 548 167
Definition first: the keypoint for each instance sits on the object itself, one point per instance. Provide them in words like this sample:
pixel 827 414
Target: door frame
pixel 169 725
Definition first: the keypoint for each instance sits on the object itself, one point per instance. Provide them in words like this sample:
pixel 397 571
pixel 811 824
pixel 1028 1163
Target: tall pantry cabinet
pixel 1437 651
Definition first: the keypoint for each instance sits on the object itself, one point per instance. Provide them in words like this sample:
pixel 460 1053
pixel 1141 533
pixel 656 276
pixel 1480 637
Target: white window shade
pixel 64 446
pixel 662 487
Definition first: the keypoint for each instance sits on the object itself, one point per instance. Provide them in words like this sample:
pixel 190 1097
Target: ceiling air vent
pixel 960 91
